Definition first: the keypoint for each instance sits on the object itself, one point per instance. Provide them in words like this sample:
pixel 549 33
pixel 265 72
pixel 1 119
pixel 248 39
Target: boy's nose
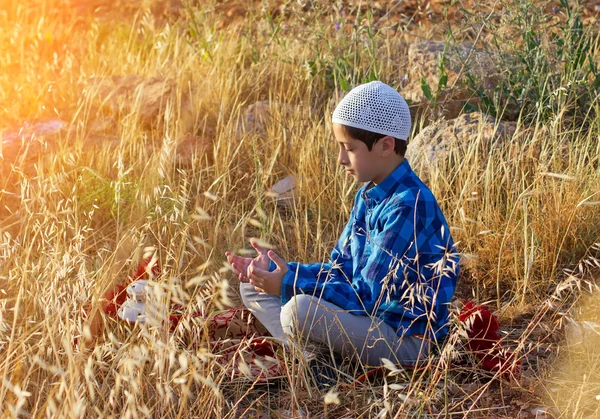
pixel 342 158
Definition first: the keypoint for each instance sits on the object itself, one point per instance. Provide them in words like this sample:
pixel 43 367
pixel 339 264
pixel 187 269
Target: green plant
pixel 344 54
pixel 544 62
pixel 442 75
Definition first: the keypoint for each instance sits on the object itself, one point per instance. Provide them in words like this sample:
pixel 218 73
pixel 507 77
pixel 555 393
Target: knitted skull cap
pixel 375 107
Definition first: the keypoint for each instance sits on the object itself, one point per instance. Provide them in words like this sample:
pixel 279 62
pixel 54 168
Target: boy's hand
pixel 240 264
pixel 265 281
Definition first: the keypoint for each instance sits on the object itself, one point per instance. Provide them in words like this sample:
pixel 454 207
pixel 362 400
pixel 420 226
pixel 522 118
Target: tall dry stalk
pixel 78 216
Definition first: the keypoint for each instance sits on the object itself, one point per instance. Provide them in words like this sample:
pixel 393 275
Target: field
pixel 156 127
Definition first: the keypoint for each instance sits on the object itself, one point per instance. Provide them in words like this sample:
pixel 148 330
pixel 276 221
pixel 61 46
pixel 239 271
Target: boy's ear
pixel 388 144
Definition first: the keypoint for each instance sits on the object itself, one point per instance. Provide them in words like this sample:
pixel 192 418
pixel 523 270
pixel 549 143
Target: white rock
pixel 539 412
pixel 444 137
pixel 285 189
pixel 580 332
pixel 51 127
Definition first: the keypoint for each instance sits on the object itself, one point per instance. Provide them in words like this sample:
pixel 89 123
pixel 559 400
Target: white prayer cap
pixel 375 107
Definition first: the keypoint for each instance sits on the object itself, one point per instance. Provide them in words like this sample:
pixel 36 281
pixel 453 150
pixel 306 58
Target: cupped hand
pixel 240 264
pixel 265 281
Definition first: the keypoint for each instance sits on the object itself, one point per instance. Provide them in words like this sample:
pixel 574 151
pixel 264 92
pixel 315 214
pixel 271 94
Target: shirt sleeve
pixel 381 283
pixel 301 278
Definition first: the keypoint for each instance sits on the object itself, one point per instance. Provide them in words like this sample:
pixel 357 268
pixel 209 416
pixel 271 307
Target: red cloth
pixel 237 329
pixel 238 339
pixel 485 341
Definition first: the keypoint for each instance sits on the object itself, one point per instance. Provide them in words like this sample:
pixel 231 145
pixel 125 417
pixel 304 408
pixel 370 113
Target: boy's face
pixel 356 158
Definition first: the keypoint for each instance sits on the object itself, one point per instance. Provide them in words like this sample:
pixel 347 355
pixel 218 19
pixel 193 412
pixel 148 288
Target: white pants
pixel 311 320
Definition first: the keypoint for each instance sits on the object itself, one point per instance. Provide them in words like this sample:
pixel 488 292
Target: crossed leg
pixel 314 321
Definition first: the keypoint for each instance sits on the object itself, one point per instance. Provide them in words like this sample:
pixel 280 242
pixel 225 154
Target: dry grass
pixel 573 387
pixel 77 215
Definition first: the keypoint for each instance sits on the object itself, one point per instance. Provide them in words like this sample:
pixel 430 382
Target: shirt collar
pixel 389 184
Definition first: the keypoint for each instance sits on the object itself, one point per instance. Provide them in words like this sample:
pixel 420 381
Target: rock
pixel 39 129
pixel 293 413
pixel 284 191
pixel 101 136
pixel 580 332
pixel 256 114
pixel 259 114
pixel 233 14
pixel 279 11
pixel 102 125
pixel 540 412
pixel 424 60
pixel 29 140
pixel 100 141
pixel 132 94
pixel 436 142
pixel 190 147
pixel 237 11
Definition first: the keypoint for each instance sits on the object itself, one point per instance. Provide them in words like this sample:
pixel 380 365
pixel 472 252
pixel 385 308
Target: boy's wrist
pixel 287 286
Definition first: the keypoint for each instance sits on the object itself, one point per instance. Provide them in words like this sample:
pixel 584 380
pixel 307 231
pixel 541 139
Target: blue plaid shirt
pixel 395 259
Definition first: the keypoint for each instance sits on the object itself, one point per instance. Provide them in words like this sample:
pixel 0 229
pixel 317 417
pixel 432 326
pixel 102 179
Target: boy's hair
pixel 370 138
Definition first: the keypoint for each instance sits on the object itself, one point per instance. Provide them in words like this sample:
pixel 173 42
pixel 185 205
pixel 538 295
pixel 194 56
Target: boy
pixel 385 291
